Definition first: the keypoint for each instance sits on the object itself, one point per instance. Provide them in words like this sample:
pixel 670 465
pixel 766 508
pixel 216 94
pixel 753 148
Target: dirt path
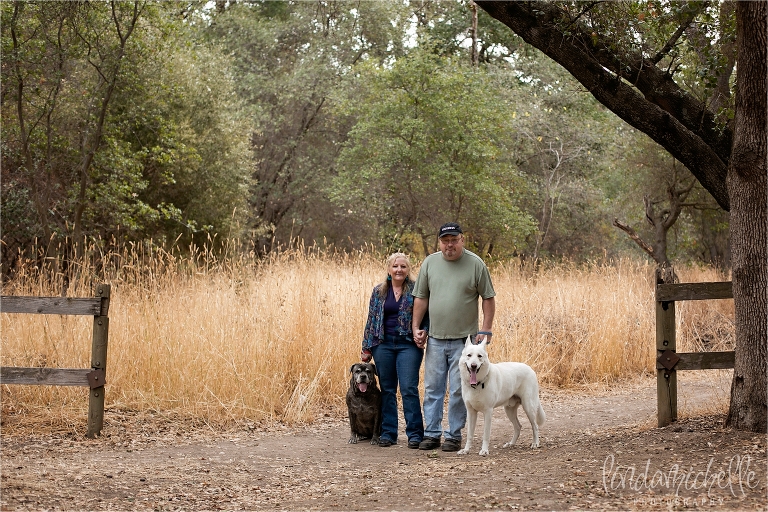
pixel 590 444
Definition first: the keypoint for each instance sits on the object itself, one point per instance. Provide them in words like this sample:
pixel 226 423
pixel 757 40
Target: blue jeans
pixel 441 363
pixel 399 360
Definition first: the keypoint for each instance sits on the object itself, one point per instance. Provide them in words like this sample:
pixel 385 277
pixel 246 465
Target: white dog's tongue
pixel 362 386
pixel 473 376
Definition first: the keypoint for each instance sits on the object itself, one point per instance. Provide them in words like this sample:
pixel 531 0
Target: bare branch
pixel 584 11
pixel 635 237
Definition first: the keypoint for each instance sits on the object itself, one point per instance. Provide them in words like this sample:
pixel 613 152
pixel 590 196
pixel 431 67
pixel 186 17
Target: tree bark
pixel 648 249
pixel 747 189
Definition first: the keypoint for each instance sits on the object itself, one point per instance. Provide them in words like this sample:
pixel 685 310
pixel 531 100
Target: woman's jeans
pixel 399 360
pixel 441 363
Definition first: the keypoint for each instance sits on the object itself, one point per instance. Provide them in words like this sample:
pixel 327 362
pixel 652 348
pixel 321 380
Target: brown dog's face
pixel 363 375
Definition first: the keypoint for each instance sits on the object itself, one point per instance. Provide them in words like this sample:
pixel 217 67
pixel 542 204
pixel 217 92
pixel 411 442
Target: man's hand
pixel 420 338
pixel 483 335
pixel 419 310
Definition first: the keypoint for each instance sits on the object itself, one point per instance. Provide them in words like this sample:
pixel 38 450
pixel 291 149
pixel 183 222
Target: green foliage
pixel 428 146
pixel 116 128
pixel 565 144
pixel 448 26
pixel 340 122
pixel 189 132
pixel 288 66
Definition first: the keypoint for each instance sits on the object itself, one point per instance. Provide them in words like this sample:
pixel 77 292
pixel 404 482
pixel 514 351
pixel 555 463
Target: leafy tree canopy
pixel 427 149
pixel 115 125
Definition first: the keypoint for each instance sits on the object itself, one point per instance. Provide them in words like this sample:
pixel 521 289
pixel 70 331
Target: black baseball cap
pixel 449 228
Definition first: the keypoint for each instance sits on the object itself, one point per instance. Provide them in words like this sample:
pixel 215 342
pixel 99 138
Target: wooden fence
pixel 95 377
pixel 669 361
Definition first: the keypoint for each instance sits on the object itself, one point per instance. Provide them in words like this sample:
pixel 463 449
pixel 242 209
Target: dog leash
pixel 489 334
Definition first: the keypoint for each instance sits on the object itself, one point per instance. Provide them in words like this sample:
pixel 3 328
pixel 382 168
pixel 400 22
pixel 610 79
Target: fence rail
pixel 668 360
pixel 95 377
pixel 44 376
pixel 51 306
pixel 694 291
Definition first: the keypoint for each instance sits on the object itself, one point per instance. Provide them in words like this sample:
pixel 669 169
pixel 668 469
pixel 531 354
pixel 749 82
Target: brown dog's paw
pixel 375 440
pixel 352 439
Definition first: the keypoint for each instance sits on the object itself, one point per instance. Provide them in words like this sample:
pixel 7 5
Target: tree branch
pixel 679 32
pixel 635 237
pixel 661 109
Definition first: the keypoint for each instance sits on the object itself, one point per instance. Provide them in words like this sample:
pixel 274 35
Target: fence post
pixel 99 362
pixel 666 380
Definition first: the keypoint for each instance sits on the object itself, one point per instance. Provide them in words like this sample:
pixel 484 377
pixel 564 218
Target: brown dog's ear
pixel 374 369
pixel 352 368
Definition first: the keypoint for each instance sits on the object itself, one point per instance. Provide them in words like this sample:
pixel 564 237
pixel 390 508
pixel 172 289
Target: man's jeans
pixel 399 360
pixel 441 363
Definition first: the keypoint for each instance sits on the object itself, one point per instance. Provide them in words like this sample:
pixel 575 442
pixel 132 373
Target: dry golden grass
pixel 233 338
pixel 597 323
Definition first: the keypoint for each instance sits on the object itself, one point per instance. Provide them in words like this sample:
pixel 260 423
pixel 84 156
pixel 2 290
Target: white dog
pixel 485 385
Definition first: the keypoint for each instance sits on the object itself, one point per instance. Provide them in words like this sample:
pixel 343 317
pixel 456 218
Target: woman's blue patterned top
pixel 374 327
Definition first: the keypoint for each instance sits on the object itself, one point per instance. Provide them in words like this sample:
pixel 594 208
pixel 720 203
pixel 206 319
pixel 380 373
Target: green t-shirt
pixel 452 289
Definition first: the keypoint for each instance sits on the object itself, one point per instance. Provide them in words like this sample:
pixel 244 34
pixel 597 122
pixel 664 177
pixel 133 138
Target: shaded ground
pixel 596 447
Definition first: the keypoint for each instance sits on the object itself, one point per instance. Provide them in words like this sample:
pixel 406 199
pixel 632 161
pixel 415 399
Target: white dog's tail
pixel 540 416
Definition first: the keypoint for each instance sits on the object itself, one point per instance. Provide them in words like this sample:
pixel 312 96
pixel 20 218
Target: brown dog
pixel 364 403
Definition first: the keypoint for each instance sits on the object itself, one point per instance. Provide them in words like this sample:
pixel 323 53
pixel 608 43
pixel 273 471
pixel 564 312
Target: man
pixel 449 284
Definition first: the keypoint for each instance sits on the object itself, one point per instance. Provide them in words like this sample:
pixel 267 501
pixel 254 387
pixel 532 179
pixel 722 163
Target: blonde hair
pixel 384 286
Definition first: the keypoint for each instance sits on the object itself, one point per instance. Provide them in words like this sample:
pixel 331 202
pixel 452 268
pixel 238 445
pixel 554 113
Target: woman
pixel 388 337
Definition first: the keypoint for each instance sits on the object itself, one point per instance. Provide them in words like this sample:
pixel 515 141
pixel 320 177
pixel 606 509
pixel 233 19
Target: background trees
pixel 273 121
pixel 289 59
pixel 669 214
pixel 426 149
pixel 115 126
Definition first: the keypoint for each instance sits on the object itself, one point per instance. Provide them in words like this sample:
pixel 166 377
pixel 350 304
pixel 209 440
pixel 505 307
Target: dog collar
pixel 481 384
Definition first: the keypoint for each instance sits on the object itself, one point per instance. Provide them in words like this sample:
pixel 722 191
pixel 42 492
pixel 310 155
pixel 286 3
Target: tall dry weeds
pixel 225 336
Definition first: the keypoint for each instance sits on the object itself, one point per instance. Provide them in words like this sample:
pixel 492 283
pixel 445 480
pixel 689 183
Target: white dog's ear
pixel 468 342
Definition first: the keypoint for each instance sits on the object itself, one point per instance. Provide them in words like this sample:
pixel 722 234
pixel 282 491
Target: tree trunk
pixel 38 196
pixel 747 190
pixel 90 145
pixel 473 6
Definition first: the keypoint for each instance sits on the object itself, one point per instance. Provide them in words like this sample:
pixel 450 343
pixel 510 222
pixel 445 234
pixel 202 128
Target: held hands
pixel 420 337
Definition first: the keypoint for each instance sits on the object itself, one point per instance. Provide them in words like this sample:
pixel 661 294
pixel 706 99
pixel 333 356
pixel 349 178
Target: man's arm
pixel 489 311
pixel 419 310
